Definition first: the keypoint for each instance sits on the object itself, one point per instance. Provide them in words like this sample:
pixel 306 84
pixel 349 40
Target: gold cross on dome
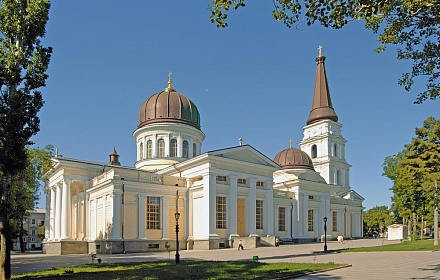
pixel 320 50
pixel 170 83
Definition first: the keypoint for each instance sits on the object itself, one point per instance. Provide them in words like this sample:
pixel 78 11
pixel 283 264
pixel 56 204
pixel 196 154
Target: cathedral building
pixel 210 198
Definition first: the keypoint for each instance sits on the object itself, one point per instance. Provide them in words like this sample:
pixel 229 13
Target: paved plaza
pixel 376 265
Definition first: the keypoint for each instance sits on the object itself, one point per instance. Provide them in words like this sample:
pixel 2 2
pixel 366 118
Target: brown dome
pixel 292 158
pixel 169 106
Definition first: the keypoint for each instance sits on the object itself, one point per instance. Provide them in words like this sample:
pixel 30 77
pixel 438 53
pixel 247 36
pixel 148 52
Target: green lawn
pixel 186 270
pixel 417 245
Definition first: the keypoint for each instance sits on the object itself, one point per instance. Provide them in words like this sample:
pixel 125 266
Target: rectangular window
pixel 33 221
pixel 153 212
pixel 220 220
pixel 241 181
pixel 310 220
pixel 335 221
pixel 221 178
pixel 311 197
pixel 282 219
pixel 260 184
pixel 33 232
pixel 259 214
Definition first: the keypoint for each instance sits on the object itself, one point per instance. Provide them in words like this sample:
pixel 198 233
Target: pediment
pixel 245 153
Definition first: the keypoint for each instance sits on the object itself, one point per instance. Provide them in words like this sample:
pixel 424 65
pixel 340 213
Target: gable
pixel 244 153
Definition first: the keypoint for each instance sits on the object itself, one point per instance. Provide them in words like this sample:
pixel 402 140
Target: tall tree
pixel 23 65
pixel 412 25
pixel 414 172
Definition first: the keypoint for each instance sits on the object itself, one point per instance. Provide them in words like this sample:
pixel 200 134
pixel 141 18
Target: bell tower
pixel 323 140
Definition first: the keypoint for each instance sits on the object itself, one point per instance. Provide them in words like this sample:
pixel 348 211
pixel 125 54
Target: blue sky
pixel 252 80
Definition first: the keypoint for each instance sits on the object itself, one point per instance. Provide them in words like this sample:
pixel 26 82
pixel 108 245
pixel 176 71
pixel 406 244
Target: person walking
pixel 240 245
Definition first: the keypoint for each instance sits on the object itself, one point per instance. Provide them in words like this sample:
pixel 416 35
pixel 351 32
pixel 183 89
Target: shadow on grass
pixel 186 270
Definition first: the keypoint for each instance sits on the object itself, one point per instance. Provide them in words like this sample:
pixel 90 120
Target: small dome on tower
pixel 169 106
pixel 292 158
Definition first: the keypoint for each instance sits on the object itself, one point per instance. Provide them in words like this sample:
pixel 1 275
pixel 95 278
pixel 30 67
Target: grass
pixel 186 270
pixel 416 245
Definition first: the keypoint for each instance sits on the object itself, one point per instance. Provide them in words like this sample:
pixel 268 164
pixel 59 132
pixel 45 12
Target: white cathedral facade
pixel 220 196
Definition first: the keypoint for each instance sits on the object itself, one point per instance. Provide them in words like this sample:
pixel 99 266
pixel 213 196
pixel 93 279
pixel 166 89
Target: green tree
pixel 23 65
pixel 377 219
pixel 412 25
pixel 414 172
pixel 25 189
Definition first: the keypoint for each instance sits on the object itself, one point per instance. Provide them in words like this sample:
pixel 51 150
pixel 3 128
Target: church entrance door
pixel 240 216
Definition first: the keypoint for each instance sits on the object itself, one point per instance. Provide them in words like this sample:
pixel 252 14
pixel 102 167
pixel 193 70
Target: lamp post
pixel 177 216
pixel 325 234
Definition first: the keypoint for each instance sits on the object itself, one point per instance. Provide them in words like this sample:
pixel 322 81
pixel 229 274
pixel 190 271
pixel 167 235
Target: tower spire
pixel 322 107
pixel 170 83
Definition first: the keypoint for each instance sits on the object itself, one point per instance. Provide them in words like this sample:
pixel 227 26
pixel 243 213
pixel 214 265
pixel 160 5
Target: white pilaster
pixel 86 213
pixel 269 224
pixel 232 215
pixel 65 210
pixel 164 218
pixel 58 190
pixel 141 216
pixel 252 205
pixel 209 204
pixel 77 213
pixel 116 226
pixel 52 213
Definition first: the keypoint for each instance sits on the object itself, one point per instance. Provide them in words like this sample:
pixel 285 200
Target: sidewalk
pixel 388 265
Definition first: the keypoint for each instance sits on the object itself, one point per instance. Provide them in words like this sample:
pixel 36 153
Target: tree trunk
pixel 5 243
pixel 409 229
pixel 20 236
pixel 435 214
pixel 414 231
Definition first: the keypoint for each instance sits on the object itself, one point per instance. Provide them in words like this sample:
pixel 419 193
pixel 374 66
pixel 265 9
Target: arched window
pixel 149 149
pixel 314 151
pixel 194 149
pixel 335 150
pixel 338 177
pixel 161 148
pixel 185 149
pixel 173 148
pixel 141 151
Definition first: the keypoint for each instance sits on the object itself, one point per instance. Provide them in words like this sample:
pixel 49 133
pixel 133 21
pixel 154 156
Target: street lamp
pixel 325 234
pixel 177 216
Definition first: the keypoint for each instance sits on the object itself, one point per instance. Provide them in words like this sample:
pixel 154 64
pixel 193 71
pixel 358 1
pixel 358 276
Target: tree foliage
pixel 412 25
pixel 413 172
pixel 23 65
pixel 377 219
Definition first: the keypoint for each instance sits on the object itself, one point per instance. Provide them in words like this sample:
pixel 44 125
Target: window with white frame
pixel 259 214
pixel 149 149
pixel 173 148
pixel 220 220
pixel 194 149
pixel 185 149
pixel 335 221
pixel 282 219
pixel 260 184
pixel 241 181
pixel 310 220
pixel 161 148
pixel 141 151
pixel 221 178
pixel 153 212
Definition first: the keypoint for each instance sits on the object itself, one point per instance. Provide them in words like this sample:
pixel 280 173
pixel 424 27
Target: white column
pixel 78 207
pixel 104 215
pixel 58 211
pixel 86 213
pixel 232 215
pixel 209 204
pixel 52 214
pixel 141 216
pixel 252 204
pixel 116 225
pixel 304 218
pixel 269 221
pixel 180 146
pixel 154 146
pixel 164 217
pixel 167 145
pixel 65 210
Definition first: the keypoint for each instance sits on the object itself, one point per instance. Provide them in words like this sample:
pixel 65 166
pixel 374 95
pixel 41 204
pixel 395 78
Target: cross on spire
pixel 170 83
pixel 320 50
